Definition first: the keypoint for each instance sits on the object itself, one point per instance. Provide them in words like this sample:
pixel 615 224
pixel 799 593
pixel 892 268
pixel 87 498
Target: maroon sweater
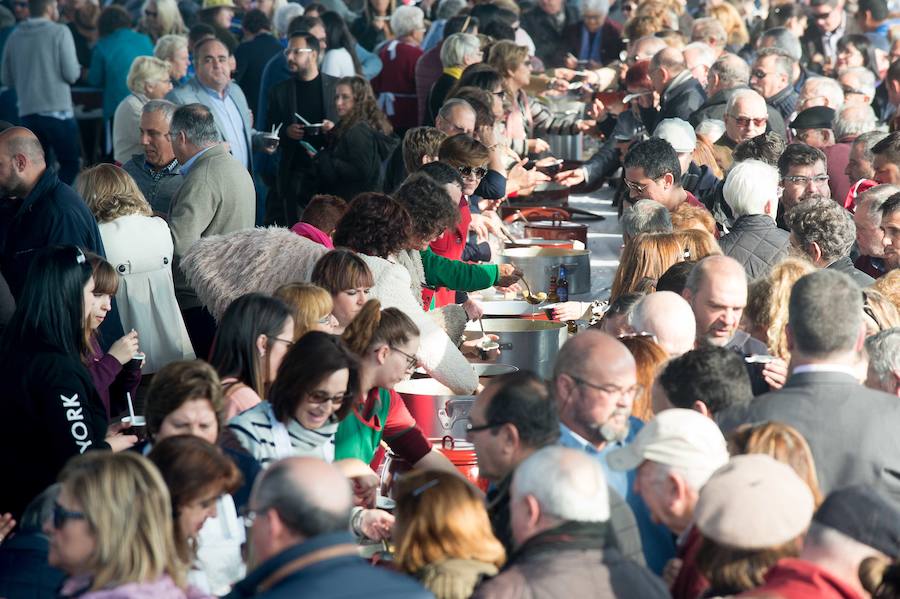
pixel 112 380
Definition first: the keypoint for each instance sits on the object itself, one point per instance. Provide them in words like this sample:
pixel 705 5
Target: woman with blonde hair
pixel 139 247
pixel 698 243
pixel 644 259
pixel 311 306
pixel 173 48
pixel 443 534
pixel 735 29
pixel 148 79
pixel 161 17
pixel 766 313
pixel 781 442
pixel 111 530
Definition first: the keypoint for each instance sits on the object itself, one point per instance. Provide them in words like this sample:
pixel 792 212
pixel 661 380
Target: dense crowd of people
pixel 229 230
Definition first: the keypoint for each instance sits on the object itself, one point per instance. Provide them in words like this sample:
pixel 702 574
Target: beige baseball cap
pixel 677 437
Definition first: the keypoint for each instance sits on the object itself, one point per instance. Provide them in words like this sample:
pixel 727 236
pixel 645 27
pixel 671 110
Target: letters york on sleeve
pixel 75 416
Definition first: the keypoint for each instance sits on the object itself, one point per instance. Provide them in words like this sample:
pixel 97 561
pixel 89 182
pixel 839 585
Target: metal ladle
pixel 531 298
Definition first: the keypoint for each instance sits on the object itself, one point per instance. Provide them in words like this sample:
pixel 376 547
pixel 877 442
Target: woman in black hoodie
pixel 360 142
pixel 51 410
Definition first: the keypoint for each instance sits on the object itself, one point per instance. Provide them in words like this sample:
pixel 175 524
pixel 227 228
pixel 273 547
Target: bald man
pixel 300 508
pixel 669 317
pixel 680 94
pixel 47 211
pixel 595 387
pixel 716 289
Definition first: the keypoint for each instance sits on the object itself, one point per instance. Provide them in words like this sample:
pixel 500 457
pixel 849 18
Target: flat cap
pixel 817 117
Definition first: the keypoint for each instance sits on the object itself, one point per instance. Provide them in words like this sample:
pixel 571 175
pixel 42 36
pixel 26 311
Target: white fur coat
pixel 222 268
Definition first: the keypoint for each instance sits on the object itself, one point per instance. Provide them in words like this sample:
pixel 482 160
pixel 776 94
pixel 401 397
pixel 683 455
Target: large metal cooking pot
pixel 526 344
pixel 460 453
pixel 437 411
pixel 537 242
pixel 539 264
pixel 487 371
pixel 557 229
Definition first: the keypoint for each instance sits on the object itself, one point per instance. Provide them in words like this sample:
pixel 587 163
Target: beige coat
pixel 217 197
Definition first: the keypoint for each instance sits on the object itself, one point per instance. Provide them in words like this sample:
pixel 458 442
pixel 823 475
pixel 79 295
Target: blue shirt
pixel 228 117
pixel 187 166
pixel 658 541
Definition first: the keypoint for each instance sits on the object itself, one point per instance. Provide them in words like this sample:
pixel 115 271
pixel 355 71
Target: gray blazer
pixel 851 429
pixel 192 92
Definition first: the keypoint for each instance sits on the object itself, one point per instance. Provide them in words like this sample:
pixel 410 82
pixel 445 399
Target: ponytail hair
pixel 374 326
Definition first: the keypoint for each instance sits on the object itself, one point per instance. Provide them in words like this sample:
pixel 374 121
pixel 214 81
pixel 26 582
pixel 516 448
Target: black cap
pixel 864 515
pixel 817 117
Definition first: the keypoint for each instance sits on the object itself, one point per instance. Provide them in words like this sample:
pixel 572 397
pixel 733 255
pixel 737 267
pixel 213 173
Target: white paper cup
pixel 138 421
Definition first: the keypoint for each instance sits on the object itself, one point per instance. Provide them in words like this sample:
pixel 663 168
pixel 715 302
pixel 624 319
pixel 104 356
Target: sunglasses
pixel 320 397
pixel 61 515
pixel 745 121
pixel 472 171
pixel 470 428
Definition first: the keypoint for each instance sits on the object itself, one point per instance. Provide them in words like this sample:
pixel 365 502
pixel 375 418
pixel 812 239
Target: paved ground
pixel 604 240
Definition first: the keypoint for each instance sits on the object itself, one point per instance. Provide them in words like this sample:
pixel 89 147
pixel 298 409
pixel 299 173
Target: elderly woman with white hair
pixel 595 40
pixel 395 86
pixel 173 48
pixel 751 190
pixel 458 51
pixel 148 79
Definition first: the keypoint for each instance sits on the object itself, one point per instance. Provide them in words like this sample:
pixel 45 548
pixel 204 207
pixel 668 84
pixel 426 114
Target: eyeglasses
pixel 850 90
pixel 61 515
pixel 820 16
pixel 320 397
pixel 637 187
pixel 611 390
pixel 759 74
pixel 470 428
pixel 745 121
pixel 287 342
pixel 472 171
pixel 248 516
pixel 288 52
pixel 411 361
pixel 151 13
pixel 801 180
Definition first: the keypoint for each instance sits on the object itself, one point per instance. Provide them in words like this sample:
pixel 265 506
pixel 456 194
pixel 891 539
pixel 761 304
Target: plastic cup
pixel 138 421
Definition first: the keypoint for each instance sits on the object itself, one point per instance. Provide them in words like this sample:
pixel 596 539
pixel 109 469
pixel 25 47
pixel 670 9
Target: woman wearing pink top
pixel 254 334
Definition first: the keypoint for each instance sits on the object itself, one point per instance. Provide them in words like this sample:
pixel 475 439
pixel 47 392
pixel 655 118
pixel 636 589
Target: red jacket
pixel 395 86
pixel 449 245
pixel 797 579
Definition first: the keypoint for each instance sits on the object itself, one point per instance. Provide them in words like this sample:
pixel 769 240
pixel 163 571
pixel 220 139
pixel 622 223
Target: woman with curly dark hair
pixel 361 141
pixel 377 227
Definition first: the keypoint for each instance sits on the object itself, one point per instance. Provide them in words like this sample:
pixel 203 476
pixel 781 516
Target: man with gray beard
pixel 594 385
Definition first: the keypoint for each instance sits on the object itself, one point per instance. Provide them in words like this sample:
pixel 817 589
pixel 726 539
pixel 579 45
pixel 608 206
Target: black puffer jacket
pixel 756 243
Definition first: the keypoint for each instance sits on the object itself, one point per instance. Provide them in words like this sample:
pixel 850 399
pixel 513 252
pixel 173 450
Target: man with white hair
pixel 772 76
pixel 668 317
pixel 746 116
pixel 699 58
pixel 595 40
pixel 858 85
pixel 751 190
pixel 560 514
pixel 859 163
pixel 645 48
pixel 674 456
pixel 884 361
pixel 849 123
pixel 820 91
pixel 645 216
pixel 869 236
